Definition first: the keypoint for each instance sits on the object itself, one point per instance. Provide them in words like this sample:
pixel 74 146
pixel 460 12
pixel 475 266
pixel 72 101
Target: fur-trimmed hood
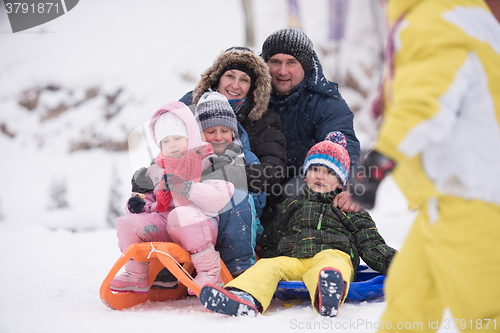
pixel 261 89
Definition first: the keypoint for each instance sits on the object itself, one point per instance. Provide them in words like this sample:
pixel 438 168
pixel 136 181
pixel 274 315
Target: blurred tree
pixel 58 195
pixel 249 29
pixel 115 202
pixel 294 20
pixel 1 215
pixel 337 22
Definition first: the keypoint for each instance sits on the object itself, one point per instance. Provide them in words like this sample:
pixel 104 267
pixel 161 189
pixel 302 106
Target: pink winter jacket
pixel 209 196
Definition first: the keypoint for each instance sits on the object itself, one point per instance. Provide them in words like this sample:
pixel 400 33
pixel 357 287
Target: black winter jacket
pixel 308 224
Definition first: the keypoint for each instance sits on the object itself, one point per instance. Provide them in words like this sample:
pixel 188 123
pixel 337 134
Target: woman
pixel 243 78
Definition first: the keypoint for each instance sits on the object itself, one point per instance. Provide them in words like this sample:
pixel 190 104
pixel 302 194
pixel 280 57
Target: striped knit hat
pixel 290 41
pixel 213 109
pixel 330 154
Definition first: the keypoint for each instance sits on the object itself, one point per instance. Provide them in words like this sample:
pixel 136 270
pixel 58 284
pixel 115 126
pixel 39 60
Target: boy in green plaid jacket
pixel 311 240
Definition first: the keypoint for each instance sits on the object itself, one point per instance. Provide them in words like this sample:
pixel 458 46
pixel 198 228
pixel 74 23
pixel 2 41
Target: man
pixel 441 127
pixel 308 104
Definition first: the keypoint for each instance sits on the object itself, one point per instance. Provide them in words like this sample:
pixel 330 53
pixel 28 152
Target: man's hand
pixel 142 183
pixel 344 201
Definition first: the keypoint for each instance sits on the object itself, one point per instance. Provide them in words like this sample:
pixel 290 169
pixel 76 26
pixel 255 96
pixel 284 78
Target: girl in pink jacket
pixel 180 209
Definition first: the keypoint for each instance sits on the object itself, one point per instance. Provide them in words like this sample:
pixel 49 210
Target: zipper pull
pixel 319 222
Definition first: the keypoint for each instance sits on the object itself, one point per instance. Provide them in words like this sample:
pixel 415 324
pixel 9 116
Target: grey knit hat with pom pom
pixel 213 109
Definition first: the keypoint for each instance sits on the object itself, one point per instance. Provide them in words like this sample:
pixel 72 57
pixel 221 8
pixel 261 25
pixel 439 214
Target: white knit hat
pixel 169 124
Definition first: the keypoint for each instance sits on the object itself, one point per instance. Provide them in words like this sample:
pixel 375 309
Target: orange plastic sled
pixel 159 255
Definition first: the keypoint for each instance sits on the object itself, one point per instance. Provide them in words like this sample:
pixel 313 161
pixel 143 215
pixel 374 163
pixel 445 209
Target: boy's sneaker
pixel 331 288
pixel 231 302
pixel 165 280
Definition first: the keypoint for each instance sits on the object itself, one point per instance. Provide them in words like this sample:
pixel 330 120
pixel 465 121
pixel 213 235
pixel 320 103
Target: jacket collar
pixel 315 81
pixel 321 197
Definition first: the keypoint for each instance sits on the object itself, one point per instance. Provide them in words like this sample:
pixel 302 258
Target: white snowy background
pixel 73 89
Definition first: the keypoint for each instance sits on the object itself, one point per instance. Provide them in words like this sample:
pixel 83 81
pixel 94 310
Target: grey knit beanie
pixel 213 109
pixel 290 41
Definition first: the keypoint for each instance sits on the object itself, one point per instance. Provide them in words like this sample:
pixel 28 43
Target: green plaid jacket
pixel 308 224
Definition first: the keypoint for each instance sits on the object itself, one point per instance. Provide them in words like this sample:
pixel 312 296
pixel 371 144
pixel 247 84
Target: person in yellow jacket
pixel 440 111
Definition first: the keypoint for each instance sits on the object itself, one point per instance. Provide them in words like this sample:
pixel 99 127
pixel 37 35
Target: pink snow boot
pixel 207 265
pixel 135 279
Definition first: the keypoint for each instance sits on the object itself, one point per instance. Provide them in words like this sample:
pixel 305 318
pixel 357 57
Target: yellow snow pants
pixel 261 280
pixel 450 259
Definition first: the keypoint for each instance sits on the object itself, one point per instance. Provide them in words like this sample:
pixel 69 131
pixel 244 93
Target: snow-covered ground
pixel 92 76
pixel 50 282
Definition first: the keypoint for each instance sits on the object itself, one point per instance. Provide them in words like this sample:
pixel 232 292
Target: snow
pixel 58 242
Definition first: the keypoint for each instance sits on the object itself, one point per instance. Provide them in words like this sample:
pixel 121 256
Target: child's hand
pixel 136 203
pixel 220 161
pixel 233 150
pixel 178 184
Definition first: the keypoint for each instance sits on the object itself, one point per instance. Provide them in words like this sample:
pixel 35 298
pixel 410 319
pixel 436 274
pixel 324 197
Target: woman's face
pixel 219 136
pixel 234 84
